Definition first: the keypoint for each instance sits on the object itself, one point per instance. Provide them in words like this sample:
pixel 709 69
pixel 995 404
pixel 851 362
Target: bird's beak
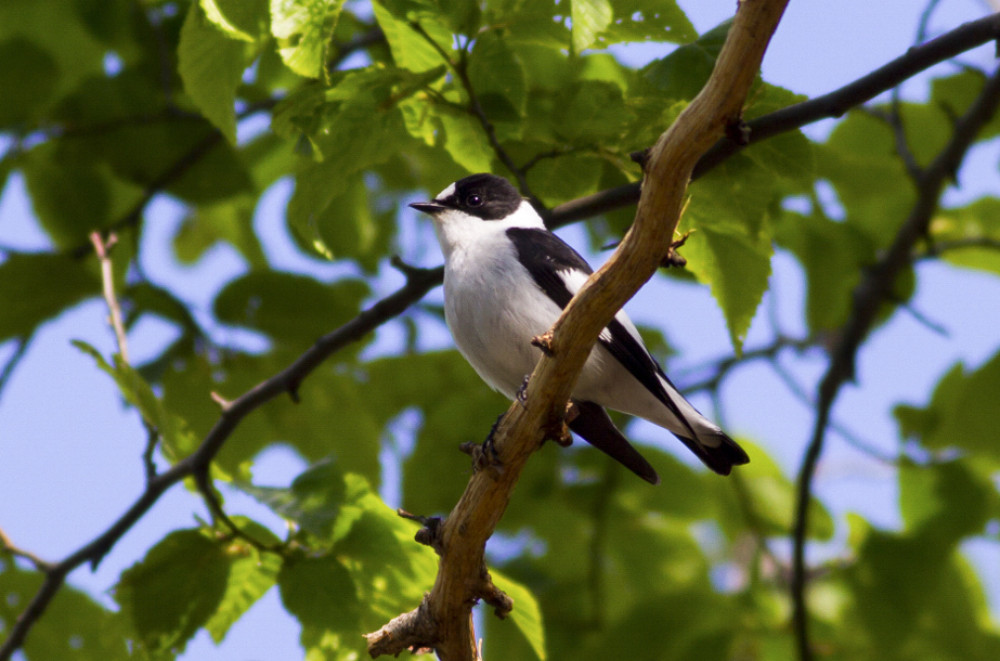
pixel 430 208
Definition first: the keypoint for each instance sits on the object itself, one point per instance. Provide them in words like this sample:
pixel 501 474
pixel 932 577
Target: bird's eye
pixel 474 200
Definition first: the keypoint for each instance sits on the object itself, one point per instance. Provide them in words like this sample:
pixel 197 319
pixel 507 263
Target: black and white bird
pixel 507 279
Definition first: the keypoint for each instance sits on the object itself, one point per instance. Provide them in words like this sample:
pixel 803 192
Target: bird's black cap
pixel 485 196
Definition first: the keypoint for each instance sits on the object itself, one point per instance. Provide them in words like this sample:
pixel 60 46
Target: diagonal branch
pixel 875 290
pixel 464 533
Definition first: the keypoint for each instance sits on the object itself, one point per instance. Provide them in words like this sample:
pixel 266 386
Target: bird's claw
pixel 521 397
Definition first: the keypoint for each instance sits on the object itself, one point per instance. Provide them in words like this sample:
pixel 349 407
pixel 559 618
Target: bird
pixel 507 279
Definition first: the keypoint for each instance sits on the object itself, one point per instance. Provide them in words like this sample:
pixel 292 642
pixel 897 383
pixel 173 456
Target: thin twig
pixel 849 436
pixel 7 546
pixel 102 248
pixel 721 367
pixel 203 481
pixel 871 293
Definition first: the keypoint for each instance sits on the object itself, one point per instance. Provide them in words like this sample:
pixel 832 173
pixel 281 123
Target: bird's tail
pixel 594 425
pixel 716 450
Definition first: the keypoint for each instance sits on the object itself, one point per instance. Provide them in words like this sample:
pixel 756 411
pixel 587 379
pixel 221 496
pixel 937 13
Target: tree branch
pixel 472 521
pixel 834 104
pixel 419 282
pixel 874 290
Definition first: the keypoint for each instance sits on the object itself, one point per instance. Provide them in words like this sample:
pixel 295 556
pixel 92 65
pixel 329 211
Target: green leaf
pixel 558 180
pixel 412 48
pixel 251 574
pixel 682 73
pixel 29 75
pixel 869 179
pixel 731 246
pixel 56 29
pixel 497 77
pixel 527 615
pixel 272 303
pixel 313 501
pixel 177 439
pixel 247 20
pixel 969 236
pixel 961 412
pixel 320 593
pixel 71 199
pixel 353 125
pixel 943 503
pixel 457 407
pixel 57 282
pixel 594 113
pixel 766 494
pixel 736 267
pixel 174 590
pixel 74 625
pixel 954 94
pixel 832 255
pixel 303 29
pixel 940 614
pixel 590 18
pixel 229 222
pixel 211 65
pixel 465 140
pixel 647 20
pixel 350 228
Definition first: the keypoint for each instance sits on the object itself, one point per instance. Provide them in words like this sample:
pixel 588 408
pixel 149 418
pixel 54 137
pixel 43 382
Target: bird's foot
pixel 484 455
pixel 559 431
pixel 521 397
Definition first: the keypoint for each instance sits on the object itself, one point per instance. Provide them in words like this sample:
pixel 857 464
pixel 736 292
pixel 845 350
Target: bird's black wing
pixel 545 256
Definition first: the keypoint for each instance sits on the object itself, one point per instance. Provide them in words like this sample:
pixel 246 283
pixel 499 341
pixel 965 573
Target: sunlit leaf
pixel 211 64
pixel 589 19
pixel 526 614
pixel 303 29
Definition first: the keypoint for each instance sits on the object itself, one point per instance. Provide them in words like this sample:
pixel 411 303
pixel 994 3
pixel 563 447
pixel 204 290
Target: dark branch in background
pixel 875 290
pixel 836 103
pixel 419 282
pixel 721 367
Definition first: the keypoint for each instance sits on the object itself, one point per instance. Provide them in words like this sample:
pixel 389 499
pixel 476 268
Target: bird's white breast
pixel 494 308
